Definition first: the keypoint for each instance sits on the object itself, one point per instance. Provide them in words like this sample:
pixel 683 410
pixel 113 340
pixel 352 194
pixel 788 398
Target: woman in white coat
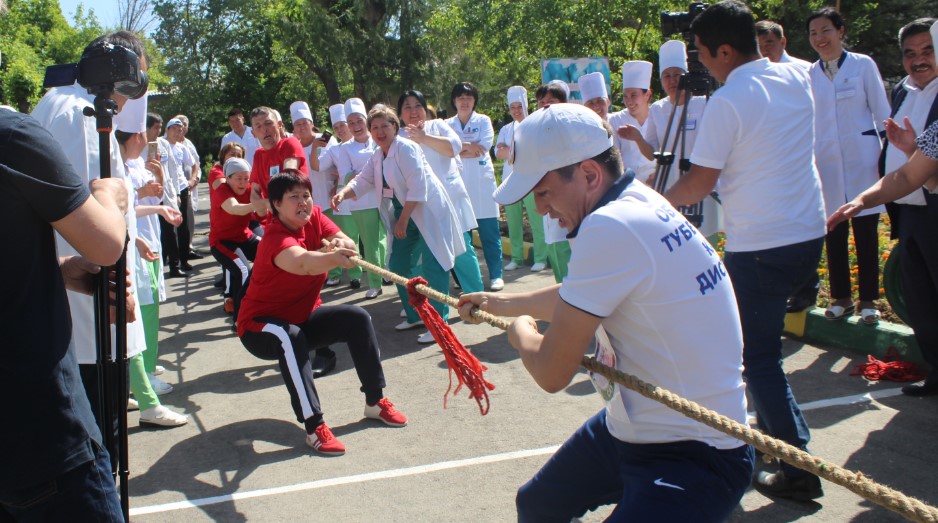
pixel 477 134
pixel 425 217
pixel 851 105
pixel 441 147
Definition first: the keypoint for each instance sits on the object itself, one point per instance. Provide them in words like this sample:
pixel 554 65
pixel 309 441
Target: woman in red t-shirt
pixel 216 176
pixel 233 243
pixel 281 315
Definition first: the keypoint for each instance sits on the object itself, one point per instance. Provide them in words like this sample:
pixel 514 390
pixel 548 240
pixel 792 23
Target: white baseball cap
pixel 593 85
pixel 554 137
pixel 519 94
pixel 673 53
pixel 173 122
pixel 337 113
pixel 636 74
pixel 300 110
pixel 355 105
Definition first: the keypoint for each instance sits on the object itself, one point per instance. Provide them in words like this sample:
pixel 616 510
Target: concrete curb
pixel 852 335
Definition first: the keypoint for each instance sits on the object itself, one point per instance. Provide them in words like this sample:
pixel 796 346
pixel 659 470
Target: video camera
pixel 697 81
pixel 102 67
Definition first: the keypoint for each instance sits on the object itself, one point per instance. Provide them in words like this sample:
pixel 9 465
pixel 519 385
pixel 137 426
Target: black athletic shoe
pixel 323 362
pixel 801 488
pixel 194 255
pixel 927 388
pixel 355 284
pixel 174 272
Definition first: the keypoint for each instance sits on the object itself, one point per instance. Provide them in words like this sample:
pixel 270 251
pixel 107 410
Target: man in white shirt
pixel 772 44
pixel 177 168
pixel 915 98
pixel 763 166
pixel 654 463
pixel 241 134
pixel 194 179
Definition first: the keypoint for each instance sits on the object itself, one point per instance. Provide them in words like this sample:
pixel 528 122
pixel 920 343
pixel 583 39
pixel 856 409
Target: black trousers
pixel 838 262
pixel 233 257
pixel 918 265
pixel 176 241
pixel 290 345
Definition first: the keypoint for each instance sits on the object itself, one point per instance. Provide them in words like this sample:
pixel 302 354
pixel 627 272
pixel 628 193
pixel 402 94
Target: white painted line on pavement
pixel 358 478
pixel 445 465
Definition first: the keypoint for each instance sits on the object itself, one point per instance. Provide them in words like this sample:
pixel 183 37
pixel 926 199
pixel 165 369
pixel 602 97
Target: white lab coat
pixel 632 157
pixel 853 104
pixel 348 159
pixel 478 173
pixel 139 177
pixel 447 169
pixel 411 179
pixel 60 112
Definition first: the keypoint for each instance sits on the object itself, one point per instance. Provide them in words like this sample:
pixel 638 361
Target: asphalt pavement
pixel 242 457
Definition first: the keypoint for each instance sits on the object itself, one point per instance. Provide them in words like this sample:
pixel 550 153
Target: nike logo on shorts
pixel 669 485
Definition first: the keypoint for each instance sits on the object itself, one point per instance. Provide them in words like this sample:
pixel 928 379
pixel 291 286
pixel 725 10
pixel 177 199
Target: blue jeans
pixel 763 281
pixel 85 493
pixel 679 481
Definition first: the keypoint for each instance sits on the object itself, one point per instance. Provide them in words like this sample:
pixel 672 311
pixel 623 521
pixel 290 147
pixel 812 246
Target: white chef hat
pixel 300 110
pixel 637 74
pixel 337 113
pixel 133 117
pixel 517 93
pixel 593 85
pixel 934 34
pixel 673 53
pixel 563 85
pixel 355 105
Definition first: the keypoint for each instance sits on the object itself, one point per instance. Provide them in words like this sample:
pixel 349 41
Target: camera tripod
pixel 697 82
pixel 111 366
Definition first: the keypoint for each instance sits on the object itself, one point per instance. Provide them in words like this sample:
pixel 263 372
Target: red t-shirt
pixel 217 173
pixel 267 163
pixel 226 226
pixel 274 292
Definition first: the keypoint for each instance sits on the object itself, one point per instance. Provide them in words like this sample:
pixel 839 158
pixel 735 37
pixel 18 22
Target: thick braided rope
pixel 907 506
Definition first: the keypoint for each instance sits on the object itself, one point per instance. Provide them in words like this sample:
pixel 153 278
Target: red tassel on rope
pixel 467 367
pixel 891 368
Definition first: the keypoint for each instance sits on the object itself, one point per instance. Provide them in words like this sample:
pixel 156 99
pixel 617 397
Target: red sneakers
pixel 229 305
pixel 324 442
pixel 384 411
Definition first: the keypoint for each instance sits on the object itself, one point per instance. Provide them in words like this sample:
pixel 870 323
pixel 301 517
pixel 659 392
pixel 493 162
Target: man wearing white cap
pixel 241 134
pixel 771 193
pixel 622 299
pixel 177 168
pixel 595 94
pixel 518 107
pixel 278 151
pixel 672 64
pixel 636 96
pixel 339 123
pixel 359 219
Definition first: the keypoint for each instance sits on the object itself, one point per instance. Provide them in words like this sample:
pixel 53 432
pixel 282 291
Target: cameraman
pixel 61 113
pixel 774 211
pixel 54 466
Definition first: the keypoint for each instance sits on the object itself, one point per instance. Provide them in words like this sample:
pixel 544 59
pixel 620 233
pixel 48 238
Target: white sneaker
pixel 332 282
pixel 426 337
pixel 160 387
pixel 132 405
pixel 374 293
pixel 497 284
pixel 403 313
pixel 538 267
pixel 160 416
pixel 406 325
pixel 159 369
pixel 512 266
